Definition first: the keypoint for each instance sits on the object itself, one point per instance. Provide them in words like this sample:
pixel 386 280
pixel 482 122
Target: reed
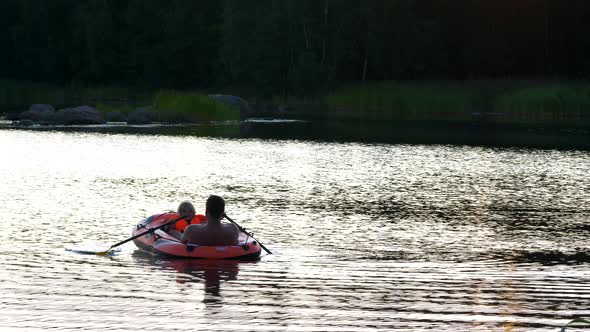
pixel 503 102
pixel 192 107
pixel 557 103
pixel 172 106
pixel 403 101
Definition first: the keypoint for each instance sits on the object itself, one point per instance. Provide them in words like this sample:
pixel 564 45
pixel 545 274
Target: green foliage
pixel 397 101
pixel 171 44
pixel 192 107
pixel 494 101
pixel 280 48
pixel 19 95
pixel 546 104
pixel 257 44
pixel 96 40
pixel 509 102
pixel 306 76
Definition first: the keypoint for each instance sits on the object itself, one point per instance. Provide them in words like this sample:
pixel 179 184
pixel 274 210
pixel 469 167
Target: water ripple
pixel 366 236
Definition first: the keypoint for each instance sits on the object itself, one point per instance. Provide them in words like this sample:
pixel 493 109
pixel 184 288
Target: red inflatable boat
pixel 159 242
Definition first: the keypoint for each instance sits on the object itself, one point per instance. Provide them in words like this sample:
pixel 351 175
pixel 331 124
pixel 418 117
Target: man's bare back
pixel 211 235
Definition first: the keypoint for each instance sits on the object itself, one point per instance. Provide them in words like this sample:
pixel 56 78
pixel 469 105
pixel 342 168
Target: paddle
pixel 102 253
pixel 249 234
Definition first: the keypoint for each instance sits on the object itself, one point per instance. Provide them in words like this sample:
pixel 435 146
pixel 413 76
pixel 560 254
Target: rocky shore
pixel 45 114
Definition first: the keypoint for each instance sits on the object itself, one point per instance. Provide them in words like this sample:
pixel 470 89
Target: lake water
pixel 365 236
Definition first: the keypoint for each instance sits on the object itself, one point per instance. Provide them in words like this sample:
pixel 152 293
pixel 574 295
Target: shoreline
pixel 526 103
pixel 412 133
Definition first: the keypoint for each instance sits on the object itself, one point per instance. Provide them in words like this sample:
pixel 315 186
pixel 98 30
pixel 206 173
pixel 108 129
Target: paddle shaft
pixel 144 233
pixel 244 231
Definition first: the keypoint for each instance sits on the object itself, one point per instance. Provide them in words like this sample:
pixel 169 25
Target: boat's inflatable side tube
pixel 162 243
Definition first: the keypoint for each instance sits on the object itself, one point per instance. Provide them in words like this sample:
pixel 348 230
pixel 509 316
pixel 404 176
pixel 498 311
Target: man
pixel 214 232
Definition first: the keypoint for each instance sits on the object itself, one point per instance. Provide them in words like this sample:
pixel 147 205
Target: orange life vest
pixel 182 224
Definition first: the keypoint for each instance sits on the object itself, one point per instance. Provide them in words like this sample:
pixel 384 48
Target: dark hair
pixel 215 206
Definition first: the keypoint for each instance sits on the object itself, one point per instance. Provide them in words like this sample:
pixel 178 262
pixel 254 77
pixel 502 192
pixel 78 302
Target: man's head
pixel 187 210
pixel 215 207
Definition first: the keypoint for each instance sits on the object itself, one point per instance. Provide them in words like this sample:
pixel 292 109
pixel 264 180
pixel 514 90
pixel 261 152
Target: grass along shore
pixel 169 106
pixel 176 106
pixel 500 102
pixel 536 103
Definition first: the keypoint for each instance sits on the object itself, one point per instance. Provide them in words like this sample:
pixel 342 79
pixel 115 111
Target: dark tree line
pixel 288 46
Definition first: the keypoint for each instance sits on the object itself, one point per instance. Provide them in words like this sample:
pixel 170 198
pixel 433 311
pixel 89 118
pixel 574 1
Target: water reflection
pixel 211 272
pixel 366 236
pixel 554 257
pixel 355 131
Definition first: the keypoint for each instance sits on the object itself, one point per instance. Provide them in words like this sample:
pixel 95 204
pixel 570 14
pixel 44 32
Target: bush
pixel 178 106
pixel 411 101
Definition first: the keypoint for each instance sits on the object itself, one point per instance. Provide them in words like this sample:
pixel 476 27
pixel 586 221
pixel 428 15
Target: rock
pixel 234 102
pixel 116 116
pixel 142 116
pixel 25 123
pixel 282 110
pixel 39 113
pixel 12 116
pixel 78 115
pixel 46 114
pixel 41 108
pixel 267 110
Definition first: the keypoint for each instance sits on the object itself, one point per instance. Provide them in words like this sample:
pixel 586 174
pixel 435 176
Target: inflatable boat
pixel 159 242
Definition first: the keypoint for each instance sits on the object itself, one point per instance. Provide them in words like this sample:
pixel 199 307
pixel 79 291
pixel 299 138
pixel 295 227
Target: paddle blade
pixel 104 253
pixel 90 248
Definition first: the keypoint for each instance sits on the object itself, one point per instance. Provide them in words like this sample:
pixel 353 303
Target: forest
pixel 287 47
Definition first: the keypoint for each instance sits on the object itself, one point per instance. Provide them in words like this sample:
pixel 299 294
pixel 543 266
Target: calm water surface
pixel 365 236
